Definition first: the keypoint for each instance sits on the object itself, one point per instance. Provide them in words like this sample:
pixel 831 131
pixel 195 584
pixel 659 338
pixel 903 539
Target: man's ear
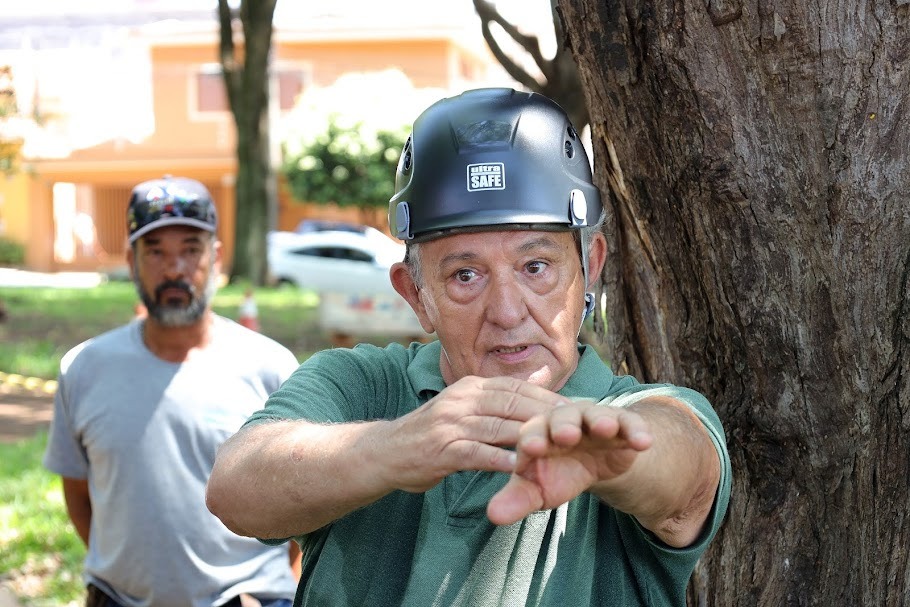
pixel 218 249
pixel 404 283
pixel 130 259
pixel 597 257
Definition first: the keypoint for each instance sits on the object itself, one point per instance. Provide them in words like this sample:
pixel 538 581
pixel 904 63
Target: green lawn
pixel 40 553
pixel 43 323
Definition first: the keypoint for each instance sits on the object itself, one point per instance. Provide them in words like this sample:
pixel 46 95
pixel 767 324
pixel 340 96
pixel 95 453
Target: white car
pixel 334 261
pixel 350 272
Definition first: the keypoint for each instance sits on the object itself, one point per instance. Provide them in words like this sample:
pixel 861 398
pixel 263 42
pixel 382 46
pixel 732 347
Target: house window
pixel 211 96
pixel 210 93
pixel 291 83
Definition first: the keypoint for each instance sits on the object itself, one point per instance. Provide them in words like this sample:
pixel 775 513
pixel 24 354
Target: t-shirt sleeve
pixel 332 386
pixel 283 365
pixel 680 559
pixel 64 453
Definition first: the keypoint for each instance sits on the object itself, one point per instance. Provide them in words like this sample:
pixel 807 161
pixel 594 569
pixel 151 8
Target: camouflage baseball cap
pixel 169 201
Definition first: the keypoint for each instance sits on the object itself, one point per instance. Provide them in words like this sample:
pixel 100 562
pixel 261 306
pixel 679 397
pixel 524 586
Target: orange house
pixel 70 211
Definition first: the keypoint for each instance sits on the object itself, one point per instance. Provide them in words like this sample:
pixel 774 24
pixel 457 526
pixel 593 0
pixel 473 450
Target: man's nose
pixel 175 266
pixel 506 304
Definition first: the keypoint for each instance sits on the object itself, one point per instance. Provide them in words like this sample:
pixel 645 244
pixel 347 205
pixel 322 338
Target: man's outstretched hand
pixel 566 451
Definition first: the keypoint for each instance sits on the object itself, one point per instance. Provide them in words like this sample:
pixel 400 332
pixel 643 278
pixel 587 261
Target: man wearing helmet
pixel 141 410
pixel 502 464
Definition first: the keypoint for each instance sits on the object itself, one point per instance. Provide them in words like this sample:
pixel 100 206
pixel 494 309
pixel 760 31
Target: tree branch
pixel 229 67
pixel 560 78
pixel 488 13
pixel 512 68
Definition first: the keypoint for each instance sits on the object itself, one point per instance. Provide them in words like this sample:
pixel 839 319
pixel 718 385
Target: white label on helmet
pixel 488 176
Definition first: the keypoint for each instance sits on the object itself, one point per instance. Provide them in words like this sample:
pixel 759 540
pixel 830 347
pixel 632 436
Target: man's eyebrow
pixel 457 257
pixel 543 242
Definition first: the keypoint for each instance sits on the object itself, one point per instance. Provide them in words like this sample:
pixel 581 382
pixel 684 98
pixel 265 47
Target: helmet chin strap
pixel 590 300
pixel 578 213
pixel 589 305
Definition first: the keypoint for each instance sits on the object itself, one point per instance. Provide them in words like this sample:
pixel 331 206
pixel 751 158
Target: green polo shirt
pixel 438 548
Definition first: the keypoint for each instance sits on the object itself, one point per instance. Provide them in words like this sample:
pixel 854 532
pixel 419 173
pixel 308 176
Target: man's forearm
pixel 82 523
pixel 671 486
pixel 78 506
pixel 284 479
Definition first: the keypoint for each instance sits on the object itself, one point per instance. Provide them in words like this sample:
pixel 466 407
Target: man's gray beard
pixel 169 316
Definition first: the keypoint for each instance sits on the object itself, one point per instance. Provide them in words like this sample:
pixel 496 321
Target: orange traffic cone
pixel 249 313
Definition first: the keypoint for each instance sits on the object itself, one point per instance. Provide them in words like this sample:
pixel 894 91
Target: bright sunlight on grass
pixel 40 553
pixel 44 323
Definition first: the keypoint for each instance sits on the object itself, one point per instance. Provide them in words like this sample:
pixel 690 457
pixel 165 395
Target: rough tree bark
pixel 246 77
pixel 755 157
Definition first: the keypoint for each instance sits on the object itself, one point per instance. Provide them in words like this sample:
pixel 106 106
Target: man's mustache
pixel 174 284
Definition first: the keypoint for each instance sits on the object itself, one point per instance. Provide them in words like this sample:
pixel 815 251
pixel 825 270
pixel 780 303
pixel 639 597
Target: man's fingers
pixel 625 425
pixel 491 430
pixel 516 500
pixel 515 399
pixel 560 427
pixel 565 427
pixel 471 455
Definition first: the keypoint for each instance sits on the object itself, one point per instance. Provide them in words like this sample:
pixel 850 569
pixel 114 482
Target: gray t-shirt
pixel 144 432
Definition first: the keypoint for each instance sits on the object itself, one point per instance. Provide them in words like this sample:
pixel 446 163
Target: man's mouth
pixel 511 350
pixel 173 294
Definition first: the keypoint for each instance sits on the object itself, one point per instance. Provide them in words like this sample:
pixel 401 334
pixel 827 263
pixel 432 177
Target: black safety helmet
pixel 492 159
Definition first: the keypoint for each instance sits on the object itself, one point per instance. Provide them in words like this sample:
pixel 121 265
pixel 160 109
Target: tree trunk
pixel 255 190
pixel 246 76
pixel 754 158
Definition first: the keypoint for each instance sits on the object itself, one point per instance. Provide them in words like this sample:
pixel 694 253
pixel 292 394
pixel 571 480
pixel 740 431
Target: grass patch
pixel 40 553
pixel 44 323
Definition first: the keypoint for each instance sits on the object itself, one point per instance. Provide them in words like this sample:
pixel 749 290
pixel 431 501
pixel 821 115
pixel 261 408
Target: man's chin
pixel 175 317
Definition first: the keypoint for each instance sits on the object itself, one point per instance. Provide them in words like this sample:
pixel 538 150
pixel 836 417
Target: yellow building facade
pixel 69 211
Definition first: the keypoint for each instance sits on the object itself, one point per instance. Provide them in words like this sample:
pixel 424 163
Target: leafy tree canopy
pixel 9 143
pixel 342 142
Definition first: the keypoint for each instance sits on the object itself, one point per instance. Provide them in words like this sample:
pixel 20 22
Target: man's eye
pixel 464 275
pixel 536 267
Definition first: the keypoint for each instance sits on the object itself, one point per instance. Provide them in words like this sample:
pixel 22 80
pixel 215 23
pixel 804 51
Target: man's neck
pixel 177 344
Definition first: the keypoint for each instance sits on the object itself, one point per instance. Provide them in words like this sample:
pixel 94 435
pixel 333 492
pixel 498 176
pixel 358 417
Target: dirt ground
pixel 23 413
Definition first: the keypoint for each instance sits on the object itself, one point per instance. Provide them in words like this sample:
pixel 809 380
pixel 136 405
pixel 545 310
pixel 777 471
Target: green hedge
pixel 11 253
